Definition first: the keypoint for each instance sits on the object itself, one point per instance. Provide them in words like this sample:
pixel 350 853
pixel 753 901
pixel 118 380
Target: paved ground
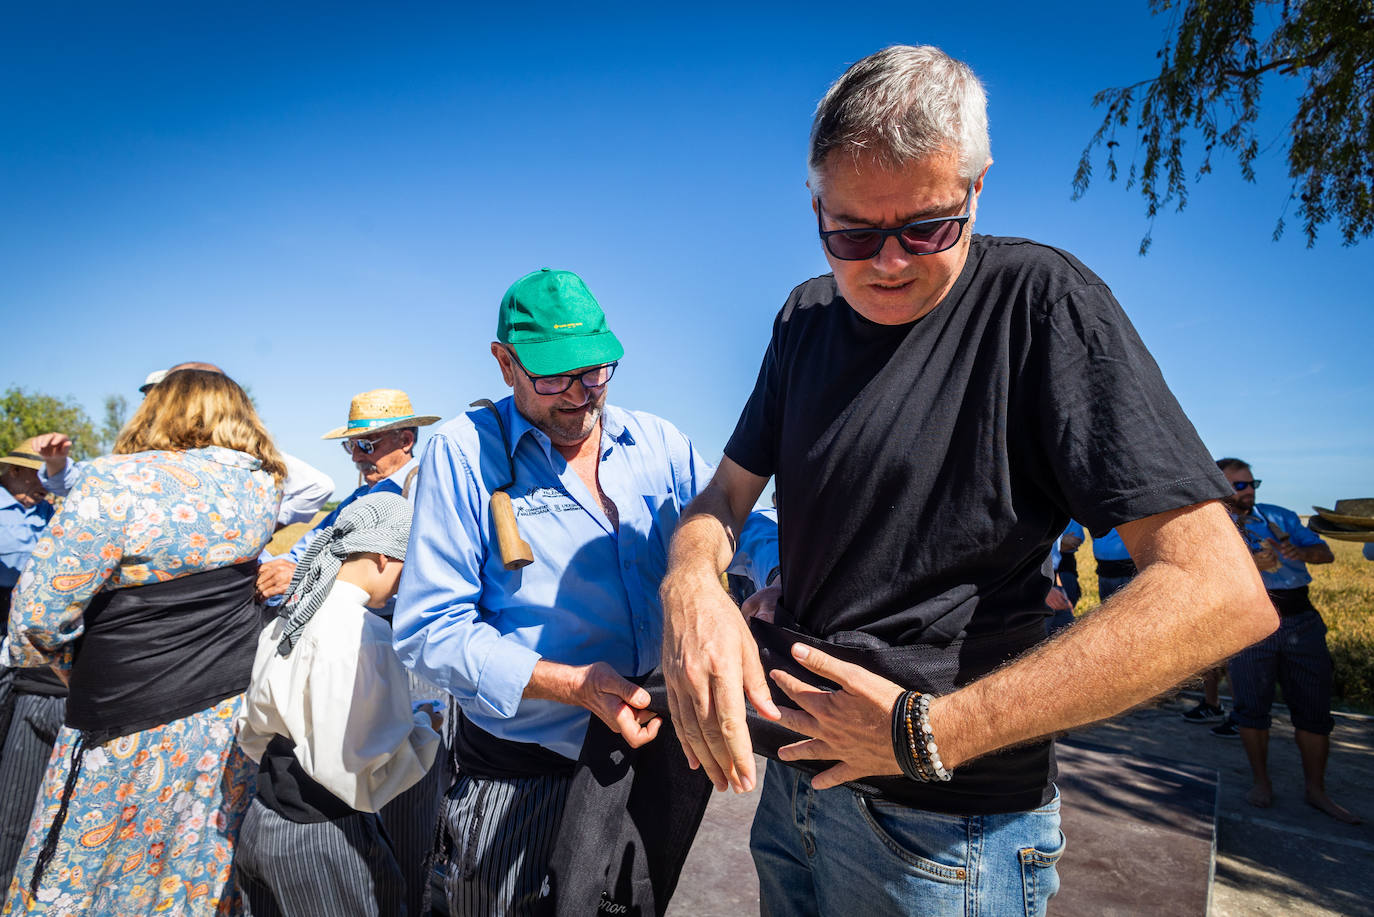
pixel 1289 859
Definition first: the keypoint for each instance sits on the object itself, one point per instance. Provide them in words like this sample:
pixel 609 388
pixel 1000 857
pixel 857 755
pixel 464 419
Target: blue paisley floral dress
pixel 154 815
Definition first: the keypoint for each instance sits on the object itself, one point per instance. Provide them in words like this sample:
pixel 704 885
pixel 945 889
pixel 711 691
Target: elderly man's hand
pixel 274 577
pixel 614 700
pixel 53 449
pixel 763 604
pixel 852 725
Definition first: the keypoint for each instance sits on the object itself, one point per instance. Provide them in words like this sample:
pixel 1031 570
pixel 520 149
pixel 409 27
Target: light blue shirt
pixel 476 629
pixel 1369 550
pixel 1291 573
pixel 1110 547
pixel 758 548
pixel 20 528
pixel 393 483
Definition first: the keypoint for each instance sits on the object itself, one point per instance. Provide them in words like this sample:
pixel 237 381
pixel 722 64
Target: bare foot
pixel 1323 802
pixel 1261 795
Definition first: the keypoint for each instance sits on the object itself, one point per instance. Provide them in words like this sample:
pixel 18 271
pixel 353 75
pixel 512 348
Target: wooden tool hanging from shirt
pixel 515 551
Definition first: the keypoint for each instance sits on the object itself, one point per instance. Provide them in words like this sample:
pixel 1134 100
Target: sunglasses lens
pixel 858 245
pixel 929 238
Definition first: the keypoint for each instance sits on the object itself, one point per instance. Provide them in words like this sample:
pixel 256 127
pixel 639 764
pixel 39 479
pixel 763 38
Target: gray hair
pixel 902 104
pixel 377 523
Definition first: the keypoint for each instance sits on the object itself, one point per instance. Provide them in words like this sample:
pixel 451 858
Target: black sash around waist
pixel 153 654
pixel 1011 780
pixel 285 788
pixel 1291 602
pixel 478 753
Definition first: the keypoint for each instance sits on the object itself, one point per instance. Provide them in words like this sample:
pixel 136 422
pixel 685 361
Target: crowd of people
pixel 502 676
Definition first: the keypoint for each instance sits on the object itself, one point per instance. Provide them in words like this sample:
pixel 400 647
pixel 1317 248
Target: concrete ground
pixel 1288 859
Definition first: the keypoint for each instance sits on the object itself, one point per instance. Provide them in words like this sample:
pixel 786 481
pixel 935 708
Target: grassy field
pixel 1344 593
pixel 283 540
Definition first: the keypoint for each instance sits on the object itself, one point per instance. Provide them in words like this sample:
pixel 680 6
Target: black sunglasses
pixel 923 237
pixel 1241 485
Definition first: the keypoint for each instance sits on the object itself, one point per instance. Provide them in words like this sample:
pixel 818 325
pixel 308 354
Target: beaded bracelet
pixel 913 741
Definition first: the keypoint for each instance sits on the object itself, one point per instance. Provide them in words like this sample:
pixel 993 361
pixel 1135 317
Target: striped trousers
pixel 501 833
pixel 34 721
pixel 317 869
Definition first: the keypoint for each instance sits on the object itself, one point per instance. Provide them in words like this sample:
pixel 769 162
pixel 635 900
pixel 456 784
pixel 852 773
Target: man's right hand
pixel 710 663
pixel 274 577
pixel 1266 558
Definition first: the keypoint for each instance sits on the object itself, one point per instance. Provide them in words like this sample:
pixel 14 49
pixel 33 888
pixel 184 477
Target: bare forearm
pixel 1169 623
pixel 705 539
pixel 553 681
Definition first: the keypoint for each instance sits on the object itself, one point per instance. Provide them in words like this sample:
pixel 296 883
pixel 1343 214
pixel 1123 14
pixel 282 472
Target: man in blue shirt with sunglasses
pixel 380 438
pixel 1295 656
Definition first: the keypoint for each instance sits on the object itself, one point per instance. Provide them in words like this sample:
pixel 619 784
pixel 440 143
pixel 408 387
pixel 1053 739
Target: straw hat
pixel 1359 513
pixel 1326 528
pixel 379 410
pixel 25 455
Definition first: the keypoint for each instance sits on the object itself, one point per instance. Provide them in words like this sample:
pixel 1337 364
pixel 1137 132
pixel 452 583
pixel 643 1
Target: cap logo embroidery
pixel 567 325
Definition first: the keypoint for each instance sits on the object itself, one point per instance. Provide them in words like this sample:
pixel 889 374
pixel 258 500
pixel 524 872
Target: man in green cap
pixel 531 652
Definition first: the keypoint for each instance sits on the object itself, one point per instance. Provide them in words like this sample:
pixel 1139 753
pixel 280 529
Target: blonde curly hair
pixel 194 408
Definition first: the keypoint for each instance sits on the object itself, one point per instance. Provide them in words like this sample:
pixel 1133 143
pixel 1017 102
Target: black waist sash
pixel 1291 602
pixel 153 654
pixel 1014 779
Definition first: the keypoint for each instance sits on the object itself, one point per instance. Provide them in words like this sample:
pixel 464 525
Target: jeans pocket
pixel 898 827
pixel 1039 877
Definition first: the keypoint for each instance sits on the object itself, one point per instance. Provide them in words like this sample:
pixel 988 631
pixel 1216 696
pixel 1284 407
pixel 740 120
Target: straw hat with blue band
pixel 377 411
pixel 24 456
pixel 555 325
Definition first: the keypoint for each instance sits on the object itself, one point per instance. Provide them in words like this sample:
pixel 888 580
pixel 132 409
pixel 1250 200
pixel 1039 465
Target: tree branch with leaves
pixel 1212 69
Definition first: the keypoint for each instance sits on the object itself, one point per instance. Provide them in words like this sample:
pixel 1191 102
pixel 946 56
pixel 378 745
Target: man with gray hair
pixel 935 411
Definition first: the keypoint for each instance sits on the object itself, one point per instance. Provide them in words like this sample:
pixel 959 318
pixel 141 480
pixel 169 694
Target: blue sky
pixel 330 198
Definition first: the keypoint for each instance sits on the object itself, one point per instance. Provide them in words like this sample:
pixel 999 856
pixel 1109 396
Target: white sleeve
pixel 305 490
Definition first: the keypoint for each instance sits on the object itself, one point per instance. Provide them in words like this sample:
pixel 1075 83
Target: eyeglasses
pixel 1242 485
pixel 923 237
pixel 364 445
pixel 595 377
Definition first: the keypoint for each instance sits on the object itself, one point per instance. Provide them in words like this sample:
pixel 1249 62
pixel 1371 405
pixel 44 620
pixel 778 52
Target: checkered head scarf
pixel 377 523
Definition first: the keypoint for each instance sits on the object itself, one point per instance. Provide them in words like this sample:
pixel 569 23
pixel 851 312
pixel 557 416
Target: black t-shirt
pixel 924 470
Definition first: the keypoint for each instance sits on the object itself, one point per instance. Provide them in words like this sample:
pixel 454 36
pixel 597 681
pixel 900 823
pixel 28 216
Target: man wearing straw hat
pixel 1295 656
pixel 531 652
pixel 32 704
pixel 380 437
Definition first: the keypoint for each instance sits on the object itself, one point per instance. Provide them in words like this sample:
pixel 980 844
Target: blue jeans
pixel 838 852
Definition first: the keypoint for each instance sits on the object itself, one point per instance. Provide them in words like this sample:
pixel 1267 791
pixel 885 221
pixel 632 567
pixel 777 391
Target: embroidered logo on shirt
pixel 539 500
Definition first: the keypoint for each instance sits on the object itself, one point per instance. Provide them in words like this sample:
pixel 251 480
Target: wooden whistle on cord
pixel 515 551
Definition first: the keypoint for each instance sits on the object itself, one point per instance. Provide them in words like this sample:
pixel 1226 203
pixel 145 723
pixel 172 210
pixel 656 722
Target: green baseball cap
pixel 554 324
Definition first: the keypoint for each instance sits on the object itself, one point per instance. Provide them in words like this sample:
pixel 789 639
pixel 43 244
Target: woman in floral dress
pixel 141 594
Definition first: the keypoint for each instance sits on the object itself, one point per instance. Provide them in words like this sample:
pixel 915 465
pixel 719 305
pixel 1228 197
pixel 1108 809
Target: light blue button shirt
pixel 758 548
pixel 1110 547
pixel 1291 573
pixel 20 528
pixel 476 629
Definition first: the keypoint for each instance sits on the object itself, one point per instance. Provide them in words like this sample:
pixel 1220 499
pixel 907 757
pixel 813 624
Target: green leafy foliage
pixel 24 415
pixel 1211 74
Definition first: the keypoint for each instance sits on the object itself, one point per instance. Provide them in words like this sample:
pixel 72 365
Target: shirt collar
pixel 612 425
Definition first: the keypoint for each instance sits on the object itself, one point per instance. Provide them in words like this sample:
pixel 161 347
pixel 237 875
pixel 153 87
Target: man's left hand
pixel 53 449
pixel 852 725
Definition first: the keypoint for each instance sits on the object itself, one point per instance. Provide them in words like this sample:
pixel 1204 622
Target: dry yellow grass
pixel 284 539
pixel 1342 591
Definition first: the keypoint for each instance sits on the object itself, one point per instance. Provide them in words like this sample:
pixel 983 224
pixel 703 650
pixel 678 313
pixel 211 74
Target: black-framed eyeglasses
pixel 923 237
pixel 364 445
pixel 593 378
pixel 1242 485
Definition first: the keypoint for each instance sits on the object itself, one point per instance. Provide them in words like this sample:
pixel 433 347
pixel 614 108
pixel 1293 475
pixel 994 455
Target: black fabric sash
pixel 1117 568
pixel 480 754
pixel 153 654
pixel 1291 602
pixel 285 788
pixel 1012 780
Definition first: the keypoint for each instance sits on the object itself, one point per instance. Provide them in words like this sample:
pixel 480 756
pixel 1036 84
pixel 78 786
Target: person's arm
pixel 1197 600
pixel 304 491
pixel 710 661
pixel 65 573
pixel 441 632
pixel 1302 544
pixel 58 474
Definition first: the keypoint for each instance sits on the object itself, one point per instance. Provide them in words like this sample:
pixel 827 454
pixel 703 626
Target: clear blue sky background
pixel 327 198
